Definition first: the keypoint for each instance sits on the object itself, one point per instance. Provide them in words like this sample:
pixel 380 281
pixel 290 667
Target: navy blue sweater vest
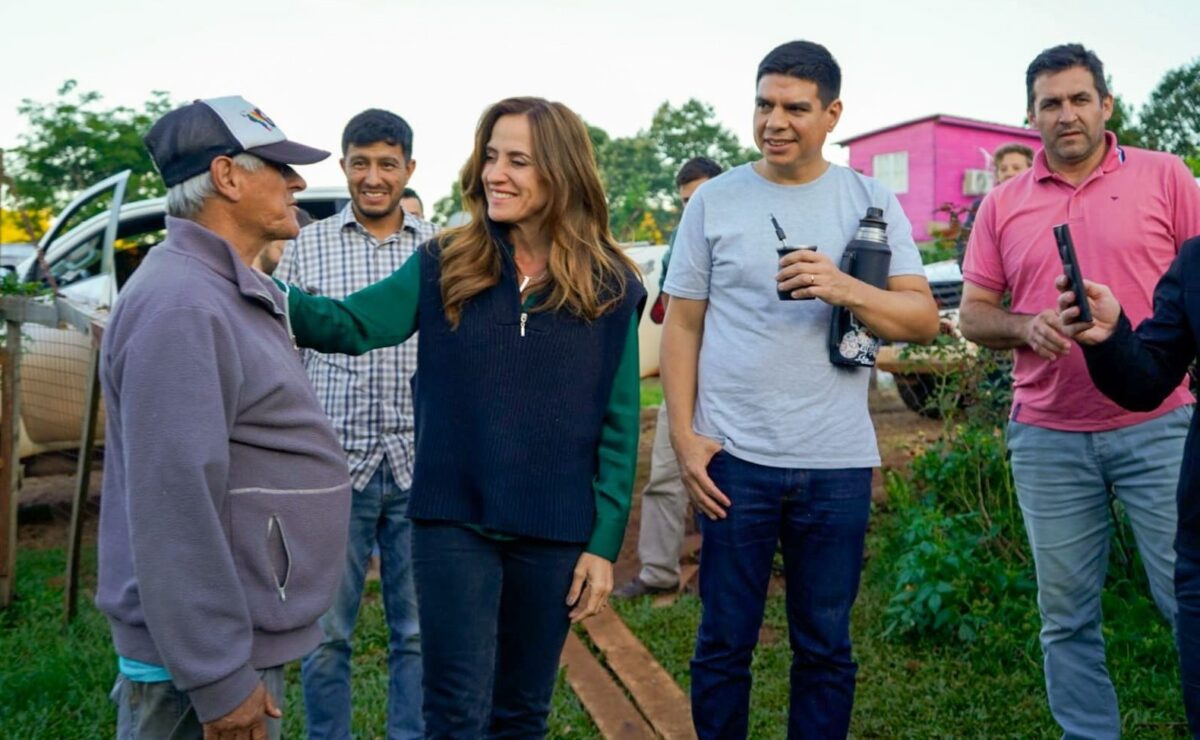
pixel 507 426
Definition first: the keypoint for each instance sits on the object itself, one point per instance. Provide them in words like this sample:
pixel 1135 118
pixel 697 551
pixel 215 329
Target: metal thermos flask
pixel 867 258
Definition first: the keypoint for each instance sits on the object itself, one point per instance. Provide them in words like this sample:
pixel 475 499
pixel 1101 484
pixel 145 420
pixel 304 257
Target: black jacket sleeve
pixel 1139 369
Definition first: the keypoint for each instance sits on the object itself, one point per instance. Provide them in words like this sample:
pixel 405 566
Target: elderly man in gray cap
pixel 226 497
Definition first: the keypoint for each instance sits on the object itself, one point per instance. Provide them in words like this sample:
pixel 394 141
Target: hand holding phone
pixel 1070 263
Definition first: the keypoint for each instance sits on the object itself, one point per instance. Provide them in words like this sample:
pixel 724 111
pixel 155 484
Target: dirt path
pixel 44 515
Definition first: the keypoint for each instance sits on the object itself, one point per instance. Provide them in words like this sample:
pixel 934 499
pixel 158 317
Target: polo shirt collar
pixel 348 218
pixel 1113 159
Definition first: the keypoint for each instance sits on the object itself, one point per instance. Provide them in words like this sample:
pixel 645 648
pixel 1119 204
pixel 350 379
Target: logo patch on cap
pixel 260 118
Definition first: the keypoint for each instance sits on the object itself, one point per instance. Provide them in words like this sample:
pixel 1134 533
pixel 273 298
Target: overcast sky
pixel 311 64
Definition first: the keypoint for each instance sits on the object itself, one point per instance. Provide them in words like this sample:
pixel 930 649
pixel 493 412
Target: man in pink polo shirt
pixel 1072 449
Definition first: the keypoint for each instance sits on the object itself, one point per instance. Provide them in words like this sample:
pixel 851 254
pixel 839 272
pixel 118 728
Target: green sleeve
pixel 380 315
pixel 617 453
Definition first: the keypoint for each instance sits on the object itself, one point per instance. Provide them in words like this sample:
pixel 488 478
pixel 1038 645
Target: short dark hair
pixel 374 125
pixel 1013 148
pixel 1061 58
pixel 410 193
pixel 697 168
pixel 807 61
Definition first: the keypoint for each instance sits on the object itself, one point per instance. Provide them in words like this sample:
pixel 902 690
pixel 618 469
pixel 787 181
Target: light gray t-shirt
pixel 766 388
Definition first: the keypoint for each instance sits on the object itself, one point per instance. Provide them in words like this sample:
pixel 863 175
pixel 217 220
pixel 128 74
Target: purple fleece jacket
pixel 226 497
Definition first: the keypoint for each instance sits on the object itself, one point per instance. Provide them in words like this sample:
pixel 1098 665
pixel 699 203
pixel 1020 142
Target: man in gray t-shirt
pixel 774 442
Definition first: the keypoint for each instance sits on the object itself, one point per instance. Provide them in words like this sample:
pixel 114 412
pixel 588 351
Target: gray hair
pixel 186 199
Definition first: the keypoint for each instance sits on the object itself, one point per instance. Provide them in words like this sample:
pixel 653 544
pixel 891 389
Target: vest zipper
pixel 521 301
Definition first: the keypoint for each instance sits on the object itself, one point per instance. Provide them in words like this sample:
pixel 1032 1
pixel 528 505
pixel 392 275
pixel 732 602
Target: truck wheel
pixel 917 392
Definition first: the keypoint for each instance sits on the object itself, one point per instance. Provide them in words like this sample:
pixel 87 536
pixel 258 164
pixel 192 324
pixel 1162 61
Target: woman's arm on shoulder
pixel 380 315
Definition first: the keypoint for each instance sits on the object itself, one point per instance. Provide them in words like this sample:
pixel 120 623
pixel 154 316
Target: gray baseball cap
pixel 184 142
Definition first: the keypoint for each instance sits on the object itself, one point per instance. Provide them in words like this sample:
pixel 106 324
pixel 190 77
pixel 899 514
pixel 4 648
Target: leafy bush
pixel 948 583
pixel 950 237
pixel 965 472
pixel 11 285
pixel 937 250
pixel 962 562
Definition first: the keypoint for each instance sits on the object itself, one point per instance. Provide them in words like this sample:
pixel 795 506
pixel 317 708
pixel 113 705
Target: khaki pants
pixel 664 512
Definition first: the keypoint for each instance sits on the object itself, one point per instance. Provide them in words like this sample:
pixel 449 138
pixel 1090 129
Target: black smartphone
pixel 1070 263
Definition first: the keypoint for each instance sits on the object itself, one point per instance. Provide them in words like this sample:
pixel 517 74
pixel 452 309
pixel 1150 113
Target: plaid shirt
pixel 368 398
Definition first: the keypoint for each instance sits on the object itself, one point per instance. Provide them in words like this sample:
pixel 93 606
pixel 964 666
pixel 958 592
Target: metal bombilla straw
pixel 778 231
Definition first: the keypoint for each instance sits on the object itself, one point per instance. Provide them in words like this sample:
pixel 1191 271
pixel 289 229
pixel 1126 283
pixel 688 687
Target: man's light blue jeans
pixel 378 514
pixel 1064 481
pixel 159 711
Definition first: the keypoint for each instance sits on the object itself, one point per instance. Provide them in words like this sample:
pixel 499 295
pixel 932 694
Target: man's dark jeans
pixel 1187 595
pixel 493 623
pixel 820 518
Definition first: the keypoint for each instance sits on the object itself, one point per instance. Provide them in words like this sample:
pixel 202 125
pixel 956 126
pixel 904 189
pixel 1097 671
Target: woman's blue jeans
pixel 493 623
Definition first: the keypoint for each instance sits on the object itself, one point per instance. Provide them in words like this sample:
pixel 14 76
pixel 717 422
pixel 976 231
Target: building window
pixel 892 170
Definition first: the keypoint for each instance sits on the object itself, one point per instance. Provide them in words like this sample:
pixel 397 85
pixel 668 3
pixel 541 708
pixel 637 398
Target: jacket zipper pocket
pixel 273 523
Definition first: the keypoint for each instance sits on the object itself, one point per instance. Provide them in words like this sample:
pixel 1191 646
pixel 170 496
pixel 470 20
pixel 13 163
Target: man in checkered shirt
pixel 369 401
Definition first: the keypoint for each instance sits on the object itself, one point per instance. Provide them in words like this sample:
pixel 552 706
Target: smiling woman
pixel 527 404
pixel 508 181
pixel 515 190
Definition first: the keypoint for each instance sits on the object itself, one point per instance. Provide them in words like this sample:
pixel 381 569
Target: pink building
pixel 934 160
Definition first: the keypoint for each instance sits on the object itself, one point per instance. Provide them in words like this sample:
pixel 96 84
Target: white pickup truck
pixel 916 375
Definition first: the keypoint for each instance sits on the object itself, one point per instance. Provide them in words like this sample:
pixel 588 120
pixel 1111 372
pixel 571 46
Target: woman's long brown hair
pixel 587 270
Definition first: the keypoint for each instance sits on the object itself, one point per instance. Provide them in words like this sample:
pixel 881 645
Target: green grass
pixel 55 683
pixel 991 688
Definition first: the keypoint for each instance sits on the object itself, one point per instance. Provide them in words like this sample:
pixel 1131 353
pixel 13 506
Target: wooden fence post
pixel 83 478
pixel 10 460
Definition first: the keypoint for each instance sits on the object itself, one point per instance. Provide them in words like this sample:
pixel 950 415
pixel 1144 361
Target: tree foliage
pixel 639 170
pixel 692 131
pixel 73 141
pixel 633 178
pixel 1123 123
pixel 1170 120
pixel 448 205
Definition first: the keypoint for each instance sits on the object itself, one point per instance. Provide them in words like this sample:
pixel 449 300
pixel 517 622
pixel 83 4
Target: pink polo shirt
pixel 1128 219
